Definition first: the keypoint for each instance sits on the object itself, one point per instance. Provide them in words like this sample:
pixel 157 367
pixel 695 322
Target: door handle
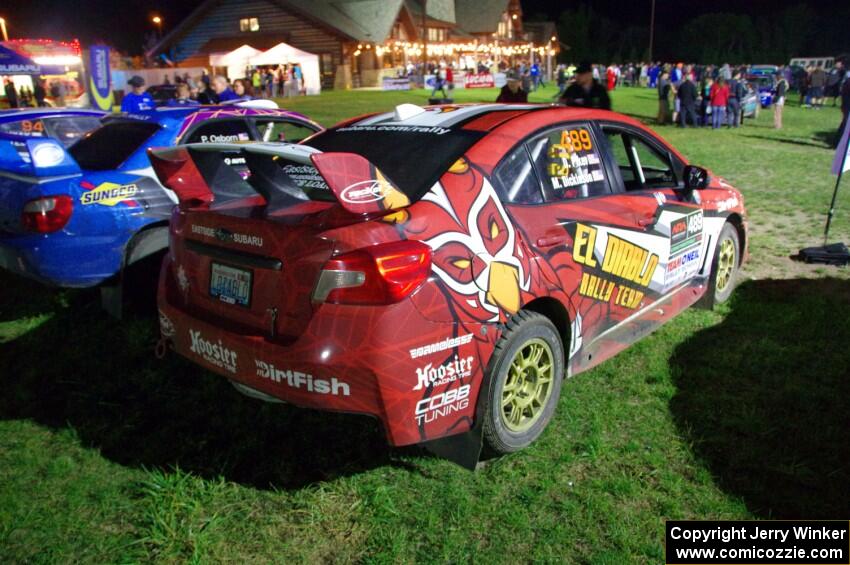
pixel 552 241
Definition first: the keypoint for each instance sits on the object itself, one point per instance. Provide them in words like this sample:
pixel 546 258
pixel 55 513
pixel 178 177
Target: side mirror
pixel 696 178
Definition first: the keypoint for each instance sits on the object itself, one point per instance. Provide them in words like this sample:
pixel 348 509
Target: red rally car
pixel 440 268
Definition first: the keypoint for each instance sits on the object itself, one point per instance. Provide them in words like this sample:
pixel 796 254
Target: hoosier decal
pixel 215 353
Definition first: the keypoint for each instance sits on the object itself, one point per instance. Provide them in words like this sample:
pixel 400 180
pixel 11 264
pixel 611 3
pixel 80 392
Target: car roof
pixel 482 117
pixel 185 116
pixel 18 114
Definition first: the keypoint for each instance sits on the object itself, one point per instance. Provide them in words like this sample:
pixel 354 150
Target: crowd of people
pixel 285 80
pixel 689 95
pixel 26 97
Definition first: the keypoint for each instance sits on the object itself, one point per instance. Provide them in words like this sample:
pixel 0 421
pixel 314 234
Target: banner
pixel 392 83
pixel 842 155
pixel 13 63
pixel 100 81
pixel 479 80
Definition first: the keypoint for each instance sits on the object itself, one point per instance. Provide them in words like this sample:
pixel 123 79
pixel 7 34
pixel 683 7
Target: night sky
pixel 123 23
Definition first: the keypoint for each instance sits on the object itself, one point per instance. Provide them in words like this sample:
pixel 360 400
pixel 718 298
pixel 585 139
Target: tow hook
pixel 161 348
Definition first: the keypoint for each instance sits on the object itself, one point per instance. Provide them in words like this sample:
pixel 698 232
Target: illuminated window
pixel 249 24
pixel 505 29
pixel 437 34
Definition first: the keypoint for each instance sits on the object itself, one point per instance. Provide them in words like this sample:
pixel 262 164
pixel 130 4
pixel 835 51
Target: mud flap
pixel 463 449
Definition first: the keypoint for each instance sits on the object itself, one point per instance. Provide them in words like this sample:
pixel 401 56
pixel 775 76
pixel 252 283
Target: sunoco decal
pixel 299 380
pixel 215 353
pixel 107 193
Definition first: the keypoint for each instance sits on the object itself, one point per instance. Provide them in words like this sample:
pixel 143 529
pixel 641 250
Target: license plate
pixel 230 284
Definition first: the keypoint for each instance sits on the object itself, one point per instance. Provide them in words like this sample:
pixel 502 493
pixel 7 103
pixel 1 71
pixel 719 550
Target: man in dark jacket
pixel 512 92
pixel 586 92
pixel 687 95
pixel 11 94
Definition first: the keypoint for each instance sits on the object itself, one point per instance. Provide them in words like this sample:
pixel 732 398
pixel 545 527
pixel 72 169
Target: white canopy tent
pixel 235 61
pixel 282 54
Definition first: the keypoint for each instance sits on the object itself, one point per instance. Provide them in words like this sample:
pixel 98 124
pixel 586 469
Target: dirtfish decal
pixel 108 194
pixel 299 380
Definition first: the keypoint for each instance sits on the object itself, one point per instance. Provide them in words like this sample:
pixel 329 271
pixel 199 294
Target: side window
pixel 641 164
pixel 283 131
pixel 654 168
pixel 33 128
pixel 619 144
pixel 220 131
pixel 568 163
pixel 515 181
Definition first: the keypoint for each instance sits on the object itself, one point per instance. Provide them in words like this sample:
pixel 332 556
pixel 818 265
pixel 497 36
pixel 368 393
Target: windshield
pixel 110 145
pixel 413 160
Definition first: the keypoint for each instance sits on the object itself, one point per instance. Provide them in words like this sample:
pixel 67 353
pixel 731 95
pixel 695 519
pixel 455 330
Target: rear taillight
pixel 380 274
pixel 45 215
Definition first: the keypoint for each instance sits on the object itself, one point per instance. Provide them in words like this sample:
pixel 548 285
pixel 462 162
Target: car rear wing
pixel 203 173
pixel 35 158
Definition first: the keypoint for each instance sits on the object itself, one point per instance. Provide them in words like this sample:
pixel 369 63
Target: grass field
pixel 108 455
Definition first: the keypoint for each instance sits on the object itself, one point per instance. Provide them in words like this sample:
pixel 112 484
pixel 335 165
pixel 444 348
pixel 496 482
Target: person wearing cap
pixel 586 92
pixel 512 92
pixel 137 100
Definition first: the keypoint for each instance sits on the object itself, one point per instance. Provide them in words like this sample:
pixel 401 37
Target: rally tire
pixel 724 269
pixel 525 333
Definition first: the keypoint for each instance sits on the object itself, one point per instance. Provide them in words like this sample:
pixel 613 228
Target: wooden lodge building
pixel 358 41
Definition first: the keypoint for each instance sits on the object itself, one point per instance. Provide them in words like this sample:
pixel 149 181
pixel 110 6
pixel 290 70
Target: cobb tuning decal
pixel 107 193
pixel 443 404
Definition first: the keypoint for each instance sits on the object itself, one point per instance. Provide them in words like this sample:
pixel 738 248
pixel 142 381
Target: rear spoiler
pixel 35 157
pixel 202 173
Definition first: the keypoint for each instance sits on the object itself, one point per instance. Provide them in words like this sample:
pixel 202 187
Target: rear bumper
pixel 61 260
pixel 350 359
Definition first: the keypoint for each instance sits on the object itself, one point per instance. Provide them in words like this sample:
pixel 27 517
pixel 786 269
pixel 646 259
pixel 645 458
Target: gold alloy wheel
pixel 725 264
pixel 528 385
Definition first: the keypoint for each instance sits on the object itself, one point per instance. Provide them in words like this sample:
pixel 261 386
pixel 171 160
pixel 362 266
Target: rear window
pixel 110 145
pixel 69 130
pixel 413 160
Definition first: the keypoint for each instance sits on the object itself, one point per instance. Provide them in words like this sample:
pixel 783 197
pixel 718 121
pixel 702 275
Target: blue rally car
pixel 78 216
